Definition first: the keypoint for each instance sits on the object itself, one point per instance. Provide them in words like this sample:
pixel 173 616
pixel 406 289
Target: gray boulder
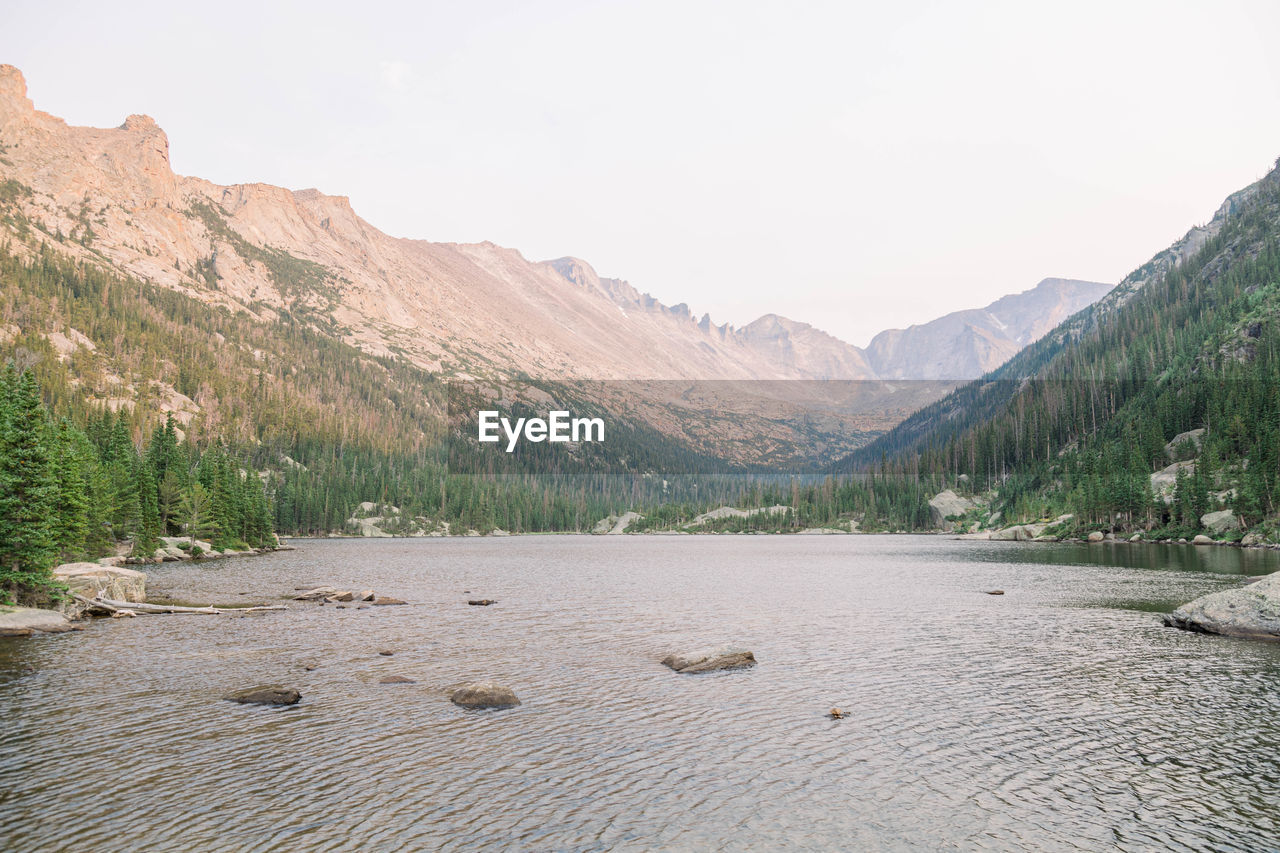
pixel 484 694
pixel 1179 441
pixel 946 504
pixel 1251 611
pixel 1096 536
pixel 1019 533
pixel 710 660
pixel 265 696
pixel 1219 522
pixel 1201 539
pixel 318 594
pixel 25 621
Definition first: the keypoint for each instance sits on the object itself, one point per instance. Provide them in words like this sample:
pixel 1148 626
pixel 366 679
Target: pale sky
pixel 854 165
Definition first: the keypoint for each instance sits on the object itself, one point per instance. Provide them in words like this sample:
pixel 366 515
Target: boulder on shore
pixel 946 504
pixel 1219 522
pixel 93 580
pixel 484 694
pixel 710 660
pixel 1251 611
pixel 265 696
pixel 24 621
pixel 1201 539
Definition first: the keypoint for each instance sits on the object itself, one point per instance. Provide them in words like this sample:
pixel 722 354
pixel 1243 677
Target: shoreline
pixel 983 536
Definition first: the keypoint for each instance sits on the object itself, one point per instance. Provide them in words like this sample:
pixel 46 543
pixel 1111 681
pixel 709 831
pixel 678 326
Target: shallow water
pixel 1060 715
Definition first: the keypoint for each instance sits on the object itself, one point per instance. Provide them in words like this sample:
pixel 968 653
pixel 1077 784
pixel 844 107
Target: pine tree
pixel 27 490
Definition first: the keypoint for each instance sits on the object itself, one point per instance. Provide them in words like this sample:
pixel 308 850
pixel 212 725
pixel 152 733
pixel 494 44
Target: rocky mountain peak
pixel 13 88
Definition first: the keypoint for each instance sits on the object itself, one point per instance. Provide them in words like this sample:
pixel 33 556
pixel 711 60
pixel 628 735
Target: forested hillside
pixel 1081 422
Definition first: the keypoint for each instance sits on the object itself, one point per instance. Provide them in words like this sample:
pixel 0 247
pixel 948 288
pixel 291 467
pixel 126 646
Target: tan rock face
pixel 94 580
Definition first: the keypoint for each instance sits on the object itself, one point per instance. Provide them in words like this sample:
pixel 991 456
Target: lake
pixel 1059 716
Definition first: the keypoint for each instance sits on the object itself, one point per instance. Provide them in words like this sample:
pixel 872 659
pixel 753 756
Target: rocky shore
pixel 105 585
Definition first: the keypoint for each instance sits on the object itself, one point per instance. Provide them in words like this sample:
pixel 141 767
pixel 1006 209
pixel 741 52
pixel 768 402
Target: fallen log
pixel 95 605
pixel 142 607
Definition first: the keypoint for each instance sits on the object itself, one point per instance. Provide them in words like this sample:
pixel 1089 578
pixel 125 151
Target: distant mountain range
pixel 109 197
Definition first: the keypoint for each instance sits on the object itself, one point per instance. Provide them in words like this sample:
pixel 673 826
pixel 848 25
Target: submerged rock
pixel 1251 611
pixel 396 679
pixel 484 694
pixel 386 600
pixel 265 696
pixel 710 660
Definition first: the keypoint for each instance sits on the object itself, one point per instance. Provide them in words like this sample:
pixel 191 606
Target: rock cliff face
pixel 967 344
pixel 109 196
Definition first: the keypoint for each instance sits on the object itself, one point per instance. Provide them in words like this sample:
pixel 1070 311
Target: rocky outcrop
pixel 265 696
pixel 1164 481
pixel 967 344
pixel 1251 611
pixel 25 621
pixel 734 512
pixel 616 524
pixel 710 660
pixel 484 694
pixel 93 580
pixel 1186 444
pixel 1219 522
pixel 948 504
pixel 1018 533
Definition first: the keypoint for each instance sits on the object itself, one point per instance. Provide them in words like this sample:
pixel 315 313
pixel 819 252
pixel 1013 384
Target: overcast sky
pixel 855 165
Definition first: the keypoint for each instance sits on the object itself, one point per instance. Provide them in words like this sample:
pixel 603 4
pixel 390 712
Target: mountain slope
pixel 1088 419
pixel 109 196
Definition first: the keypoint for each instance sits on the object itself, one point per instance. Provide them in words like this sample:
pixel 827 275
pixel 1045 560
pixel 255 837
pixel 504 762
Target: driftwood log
pixel 134 608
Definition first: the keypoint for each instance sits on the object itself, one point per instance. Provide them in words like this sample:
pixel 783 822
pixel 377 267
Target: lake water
pixel 1060 715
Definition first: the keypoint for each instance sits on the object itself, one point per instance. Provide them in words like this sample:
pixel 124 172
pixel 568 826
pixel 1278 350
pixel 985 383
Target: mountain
pixel 1155 409
pixel 968 344
pixel 109 196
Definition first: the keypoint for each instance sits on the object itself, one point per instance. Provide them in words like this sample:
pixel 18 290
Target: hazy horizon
pixel 857 168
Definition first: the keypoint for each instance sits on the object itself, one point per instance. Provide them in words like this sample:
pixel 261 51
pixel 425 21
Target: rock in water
pixel 318 594
pixel 1252 611
pixel 710 660
pixel 265 696
pixel 481 602
pixel 387 600
pixel 395 679
pixel 22 621
pixel 484 694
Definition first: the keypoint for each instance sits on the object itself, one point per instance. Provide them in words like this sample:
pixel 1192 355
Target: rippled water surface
pixel 1060 715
